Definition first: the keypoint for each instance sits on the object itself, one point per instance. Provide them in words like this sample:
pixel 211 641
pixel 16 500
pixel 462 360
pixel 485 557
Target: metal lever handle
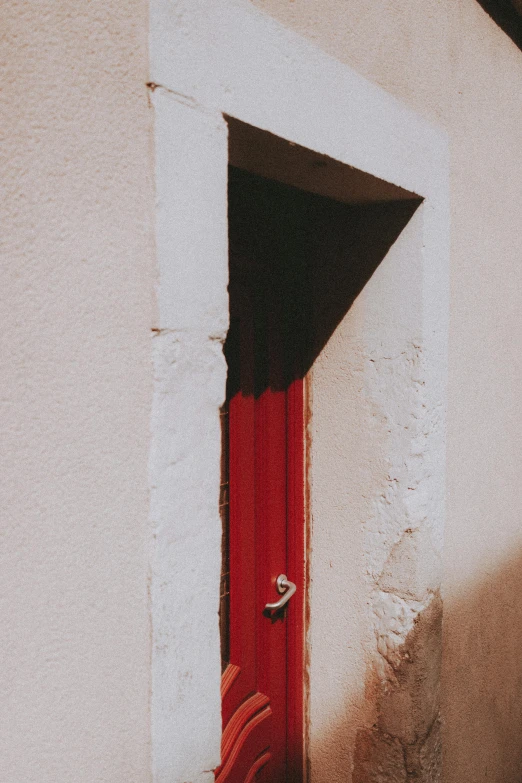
pixel 284 587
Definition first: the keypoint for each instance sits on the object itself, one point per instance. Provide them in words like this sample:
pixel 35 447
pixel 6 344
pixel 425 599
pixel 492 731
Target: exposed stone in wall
pixel 408 690
pixel 378 758
pixel 406 607
pixel 381 758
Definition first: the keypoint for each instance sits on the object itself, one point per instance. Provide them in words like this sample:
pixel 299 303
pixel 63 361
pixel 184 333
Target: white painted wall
pixel 189 387
pixel 77 308
pixel 75 390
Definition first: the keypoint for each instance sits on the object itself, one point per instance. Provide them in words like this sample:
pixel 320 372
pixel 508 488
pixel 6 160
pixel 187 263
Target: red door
pixel 263 514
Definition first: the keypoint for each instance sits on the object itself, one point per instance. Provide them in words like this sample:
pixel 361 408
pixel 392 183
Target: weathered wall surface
pixel 450 62
pixel 375 627
pixel 228 58
pixel 189 388
pixel 76 389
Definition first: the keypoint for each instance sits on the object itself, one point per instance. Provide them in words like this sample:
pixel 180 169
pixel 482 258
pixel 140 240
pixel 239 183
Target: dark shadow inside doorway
pixel 306 234
pixel 306 255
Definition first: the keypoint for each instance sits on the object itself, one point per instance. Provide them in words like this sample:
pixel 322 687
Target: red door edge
pixel 297 554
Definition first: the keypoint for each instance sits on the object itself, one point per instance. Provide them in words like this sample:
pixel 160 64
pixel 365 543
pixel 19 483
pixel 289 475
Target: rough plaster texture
pixel 189 375
pixel 449 61
pixel 76 389
pixel 376 517
pixel 228 58
pixel 76 393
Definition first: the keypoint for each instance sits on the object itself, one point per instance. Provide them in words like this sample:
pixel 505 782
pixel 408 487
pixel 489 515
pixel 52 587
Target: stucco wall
pixel 76 389
pixel 450 62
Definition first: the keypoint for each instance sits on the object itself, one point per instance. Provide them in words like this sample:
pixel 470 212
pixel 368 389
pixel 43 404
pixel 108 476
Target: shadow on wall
pixel 481 695
pixel 305 258
pixel 508 15
pixel 403 743
pixel 482 675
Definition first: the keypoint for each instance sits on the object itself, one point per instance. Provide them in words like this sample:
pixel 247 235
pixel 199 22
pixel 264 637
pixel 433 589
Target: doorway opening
pixel 263 488
pixel 298 258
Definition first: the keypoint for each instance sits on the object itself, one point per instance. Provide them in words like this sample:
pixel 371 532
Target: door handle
pixel 286 589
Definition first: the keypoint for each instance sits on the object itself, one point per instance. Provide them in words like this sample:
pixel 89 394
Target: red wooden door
pixel 263 504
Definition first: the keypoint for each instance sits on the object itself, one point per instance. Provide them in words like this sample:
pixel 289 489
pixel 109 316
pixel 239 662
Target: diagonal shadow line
pixel 304 259
pixel 505 15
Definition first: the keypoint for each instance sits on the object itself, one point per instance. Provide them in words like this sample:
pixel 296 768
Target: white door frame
pixel 208 61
